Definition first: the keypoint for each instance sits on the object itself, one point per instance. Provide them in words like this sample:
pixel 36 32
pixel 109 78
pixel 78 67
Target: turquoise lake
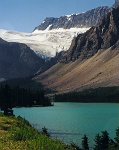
pixel 70 121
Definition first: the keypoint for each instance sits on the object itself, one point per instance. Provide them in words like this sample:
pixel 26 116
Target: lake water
pixel 70 121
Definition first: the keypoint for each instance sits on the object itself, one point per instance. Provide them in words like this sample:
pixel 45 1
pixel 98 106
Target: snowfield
pixel 44 43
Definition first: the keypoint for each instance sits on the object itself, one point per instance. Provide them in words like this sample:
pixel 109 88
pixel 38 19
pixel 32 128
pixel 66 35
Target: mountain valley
pixel 89 61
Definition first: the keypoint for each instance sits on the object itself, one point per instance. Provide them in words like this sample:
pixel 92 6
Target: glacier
pixel 45 43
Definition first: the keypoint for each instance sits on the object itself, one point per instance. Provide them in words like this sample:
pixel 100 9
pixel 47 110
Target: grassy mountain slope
pixel 18 134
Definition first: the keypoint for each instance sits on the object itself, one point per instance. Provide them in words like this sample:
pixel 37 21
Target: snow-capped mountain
pixel 86 19
pixel 45 43
pixel 91 61
pixel 55 34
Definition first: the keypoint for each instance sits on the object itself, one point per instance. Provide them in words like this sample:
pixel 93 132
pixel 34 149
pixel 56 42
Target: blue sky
pixel 25 15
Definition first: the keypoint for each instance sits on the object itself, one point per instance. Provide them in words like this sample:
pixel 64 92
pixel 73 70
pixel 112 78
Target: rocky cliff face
pixel 86 19
pixel 116 4
pixel 102 36
pixel 18 60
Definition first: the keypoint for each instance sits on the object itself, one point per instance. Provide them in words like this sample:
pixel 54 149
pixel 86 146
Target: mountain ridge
pixel 102 36
pixel 87 19
pixel 48 42
pixel 91 61
pixel 18 60
pixel 27 63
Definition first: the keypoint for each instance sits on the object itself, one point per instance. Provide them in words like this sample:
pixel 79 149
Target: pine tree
pixel 45 131
pixel 105 140
pixel 97 140
pixel 74 146
pixel 112 145
pixel 85 143
pixel 117 138
pixel 102 142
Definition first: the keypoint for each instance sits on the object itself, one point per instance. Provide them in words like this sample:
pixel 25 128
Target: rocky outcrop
pixel 86 19
pixel 18 60
pixel 102 36
pixel 116 4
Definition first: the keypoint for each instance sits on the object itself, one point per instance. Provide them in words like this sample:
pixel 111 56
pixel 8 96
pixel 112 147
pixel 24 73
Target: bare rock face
pixel 86 19
pixel 18 60
pixel 116 3
pixel 102 36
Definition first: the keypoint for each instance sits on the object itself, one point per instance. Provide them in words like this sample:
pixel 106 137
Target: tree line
pixel 20 97
pixel 102 94
pixel 102 141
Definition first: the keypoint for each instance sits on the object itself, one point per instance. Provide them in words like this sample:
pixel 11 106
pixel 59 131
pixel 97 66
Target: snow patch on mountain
pixel 45 43
pixel 48 28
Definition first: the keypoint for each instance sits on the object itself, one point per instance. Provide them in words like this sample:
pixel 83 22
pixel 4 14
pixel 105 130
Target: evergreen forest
pixel 102 94
pixel 20 97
